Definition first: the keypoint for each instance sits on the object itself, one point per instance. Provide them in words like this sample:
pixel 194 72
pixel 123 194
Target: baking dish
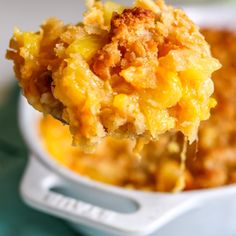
pixel 52 188
pixel 99 209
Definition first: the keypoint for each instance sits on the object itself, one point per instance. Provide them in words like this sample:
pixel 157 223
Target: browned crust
pixel 131 43
pixel 131 18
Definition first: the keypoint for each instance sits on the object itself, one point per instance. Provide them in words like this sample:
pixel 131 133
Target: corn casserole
pixel 214 164
pixel 128 72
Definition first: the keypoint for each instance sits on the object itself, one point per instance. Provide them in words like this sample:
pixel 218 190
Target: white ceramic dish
pixel 100 209
pixel 52 188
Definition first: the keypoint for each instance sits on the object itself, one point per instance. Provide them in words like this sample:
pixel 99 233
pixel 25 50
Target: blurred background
pixel 15 217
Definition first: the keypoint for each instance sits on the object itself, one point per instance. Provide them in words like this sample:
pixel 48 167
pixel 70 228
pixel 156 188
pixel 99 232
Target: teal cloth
pixel 17 219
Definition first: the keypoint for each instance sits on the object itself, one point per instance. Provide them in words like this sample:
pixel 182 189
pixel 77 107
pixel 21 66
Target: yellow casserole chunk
pixel 133 72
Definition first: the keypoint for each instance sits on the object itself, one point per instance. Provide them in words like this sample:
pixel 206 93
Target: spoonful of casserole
pixel 129 72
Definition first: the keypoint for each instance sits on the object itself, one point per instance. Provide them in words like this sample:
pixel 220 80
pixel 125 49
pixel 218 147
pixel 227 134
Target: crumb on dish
pixel 133 72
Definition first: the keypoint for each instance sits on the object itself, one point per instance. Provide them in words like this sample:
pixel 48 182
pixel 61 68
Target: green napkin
pixel 17 219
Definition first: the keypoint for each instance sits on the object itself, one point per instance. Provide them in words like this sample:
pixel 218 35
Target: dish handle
pixel 154 210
